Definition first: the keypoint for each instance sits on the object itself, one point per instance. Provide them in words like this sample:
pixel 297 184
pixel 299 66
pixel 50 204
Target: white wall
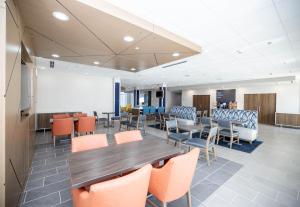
pixel 287 99
pixel 61 91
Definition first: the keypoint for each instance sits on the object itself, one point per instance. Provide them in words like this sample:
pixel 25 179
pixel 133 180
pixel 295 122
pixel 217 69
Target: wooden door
pixel 202 102
pixel 265 104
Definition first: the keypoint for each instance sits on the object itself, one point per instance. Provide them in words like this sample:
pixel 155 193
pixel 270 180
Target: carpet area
pixel 243 146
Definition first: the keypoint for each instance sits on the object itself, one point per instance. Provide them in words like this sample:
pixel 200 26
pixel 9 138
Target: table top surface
pixel 74 119
pixel 108 112
pixel 190 128
pixel 93 166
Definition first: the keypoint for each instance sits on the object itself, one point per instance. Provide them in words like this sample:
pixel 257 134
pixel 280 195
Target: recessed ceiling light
pixel 42 67
pixel 175 54
pixel 55 55
pixel 61 16
pixel 133 69
pixel 128 39
pixel 137 48
pixel 86 73
pixel 96 62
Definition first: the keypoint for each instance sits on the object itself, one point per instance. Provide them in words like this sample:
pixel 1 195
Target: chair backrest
pixel 129 190
pixel 206 121
pixel 211 139
pixel 62 126
pixel 152 109
pixel 89 142
pixel 136 112
pixel 171 124
pixel 128 136
pixel 161 109
pixel 146 110
pixel 174 179
pixel 225 124
pixel 204 113
pixel 60 116
pixel 86 124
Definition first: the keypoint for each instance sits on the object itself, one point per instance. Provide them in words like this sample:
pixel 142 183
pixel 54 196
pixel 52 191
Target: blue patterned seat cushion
pixel 179 136
pixel 247 117
pixel 184 112
pixel 226 132
pixel 198 142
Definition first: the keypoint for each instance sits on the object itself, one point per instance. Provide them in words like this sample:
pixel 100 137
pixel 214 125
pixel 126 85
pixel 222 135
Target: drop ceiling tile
pixel 126 62
pixel 106 26
pixel 67 33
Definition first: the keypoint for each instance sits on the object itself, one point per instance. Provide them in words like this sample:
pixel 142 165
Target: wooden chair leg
pixel 214 151
pixel 164 204
pixel 207 156
pixel 218 139
pixel 54 141
pixel 189 198
pixel 231 140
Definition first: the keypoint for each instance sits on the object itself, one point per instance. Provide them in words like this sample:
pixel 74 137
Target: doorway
pixel 202 102
pixel 265 104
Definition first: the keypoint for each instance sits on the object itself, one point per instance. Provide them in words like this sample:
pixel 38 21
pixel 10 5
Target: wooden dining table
pixel 93 166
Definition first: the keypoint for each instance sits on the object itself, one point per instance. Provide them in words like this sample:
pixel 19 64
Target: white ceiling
pixel 222 28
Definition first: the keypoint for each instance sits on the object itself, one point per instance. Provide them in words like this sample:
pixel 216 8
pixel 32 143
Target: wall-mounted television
pixel 159 94
pixel 226 96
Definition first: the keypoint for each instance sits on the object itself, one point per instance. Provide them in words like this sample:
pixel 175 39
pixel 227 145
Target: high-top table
pixel 93 166
pixel 108 117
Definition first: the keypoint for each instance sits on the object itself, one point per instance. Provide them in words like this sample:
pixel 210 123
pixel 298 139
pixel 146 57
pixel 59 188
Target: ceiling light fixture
pixel 61 16
pixel 55 55
pixel 175 54
pixel 133 69
pixel 137 48
pixel 128 39
pixel 96 62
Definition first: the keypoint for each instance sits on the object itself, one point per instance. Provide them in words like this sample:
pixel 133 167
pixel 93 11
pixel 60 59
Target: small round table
pixel 108 117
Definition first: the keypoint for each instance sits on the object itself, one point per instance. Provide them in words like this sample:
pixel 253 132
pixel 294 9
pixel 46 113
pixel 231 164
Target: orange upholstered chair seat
pixel 128 136
pixel 60 116
pixel 174 179
pixel 127 191
pixel 89 142
pixel 85 124
pixel 62 127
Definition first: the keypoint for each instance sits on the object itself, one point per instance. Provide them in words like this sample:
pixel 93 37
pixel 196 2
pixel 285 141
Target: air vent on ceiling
pixel 167 66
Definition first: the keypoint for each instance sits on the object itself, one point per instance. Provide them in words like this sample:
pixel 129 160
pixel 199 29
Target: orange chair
pixel 62 127
pixel 173 180
pixel 89 142
pixel 85 125
pixel 128 136
pixel 129 190
pixel 77 115
pixel 60 116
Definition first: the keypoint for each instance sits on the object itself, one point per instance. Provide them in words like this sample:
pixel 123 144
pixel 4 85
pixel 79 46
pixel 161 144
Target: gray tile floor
pixel 49 185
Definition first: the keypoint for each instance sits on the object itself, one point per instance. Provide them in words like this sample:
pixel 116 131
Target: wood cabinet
pixel 265 104
pixel 285 119
pixel 202 102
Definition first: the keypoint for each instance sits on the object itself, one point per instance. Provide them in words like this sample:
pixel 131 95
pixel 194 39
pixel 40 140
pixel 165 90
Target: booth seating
pixel 248 128
pixel 184 114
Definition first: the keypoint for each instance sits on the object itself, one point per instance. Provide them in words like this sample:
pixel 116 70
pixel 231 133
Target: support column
pixel 162 101
pixel 136 93
pixel 117 94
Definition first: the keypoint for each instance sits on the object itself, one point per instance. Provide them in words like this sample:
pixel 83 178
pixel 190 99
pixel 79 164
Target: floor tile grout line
pixel 46 185
pixel 40 197
pixel 59 197
pixel 298 195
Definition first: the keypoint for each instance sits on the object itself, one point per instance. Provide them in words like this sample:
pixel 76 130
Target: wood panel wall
pixel 2 100
pixel 19 132
pixel 202 102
